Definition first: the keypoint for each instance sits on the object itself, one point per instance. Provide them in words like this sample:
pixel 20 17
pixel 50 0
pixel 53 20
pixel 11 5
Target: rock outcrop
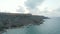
pixel 13 20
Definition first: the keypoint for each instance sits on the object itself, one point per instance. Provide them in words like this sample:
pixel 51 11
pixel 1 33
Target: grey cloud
pixel 33 3
pixel 46 11
pixel 58 10
pixel 55 13
pixel 21 9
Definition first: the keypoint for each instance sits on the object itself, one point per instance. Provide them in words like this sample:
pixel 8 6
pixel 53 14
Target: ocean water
pixel 50 26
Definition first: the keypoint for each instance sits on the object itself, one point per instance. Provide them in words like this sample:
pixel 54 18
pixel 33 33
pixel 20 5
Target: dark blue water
pixel 50 26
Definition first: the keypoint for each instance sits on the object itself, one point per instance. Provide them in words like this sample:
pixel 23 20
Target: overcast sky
pixel 38 7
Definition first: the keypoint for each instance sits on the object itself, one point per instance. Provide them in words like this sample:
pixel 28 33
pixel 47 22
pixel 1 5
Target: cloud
pixel 53 13
pixel 10 5
pixel 58 10
pixel 32 6
pixel 20 10
pixel 33 3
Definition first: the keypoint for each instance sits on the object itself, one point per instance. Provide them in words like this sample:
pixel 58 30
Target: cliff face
pixel 10 20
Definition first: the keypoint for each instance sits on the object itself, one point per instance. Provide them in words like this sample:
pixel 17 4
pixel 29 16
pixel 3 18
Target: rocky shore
pixel 14 20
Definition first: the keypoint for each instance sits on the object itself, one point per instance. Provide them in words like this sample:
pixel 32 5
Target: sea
pixel 50 26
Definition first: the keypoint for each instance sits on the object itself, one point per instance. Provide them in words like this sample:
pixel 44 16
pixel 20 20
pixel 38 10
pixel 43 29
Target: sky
pixel 50 8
